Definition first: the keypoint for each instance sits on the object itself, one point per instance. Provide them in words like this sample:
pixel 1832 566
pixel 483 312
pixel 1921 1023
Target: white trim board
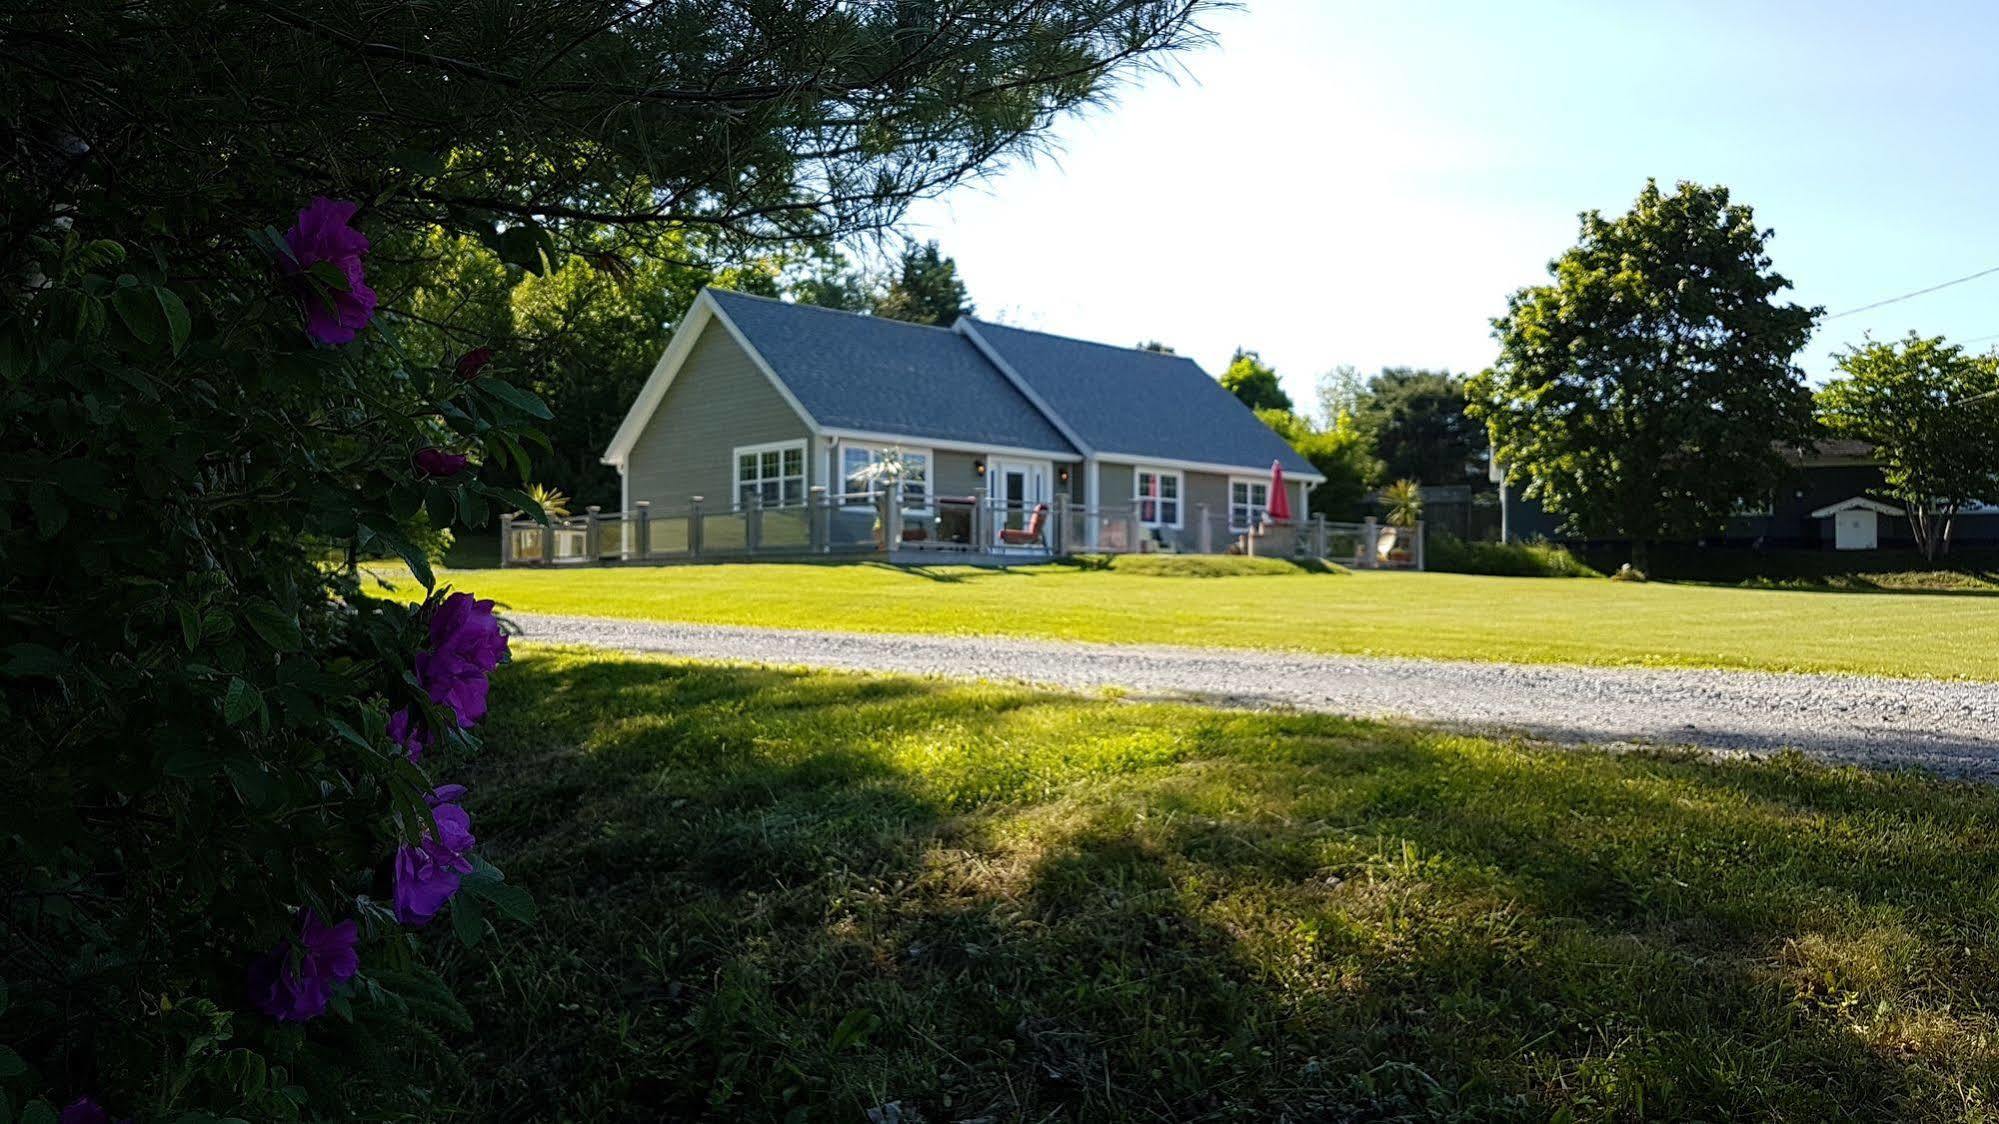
pixel 912 441
pixel 1858 503
pixel 1134 460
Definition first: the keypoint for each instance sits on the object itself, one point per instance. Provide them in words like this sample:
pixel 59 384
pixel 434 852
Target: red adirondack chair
pixel 1029 535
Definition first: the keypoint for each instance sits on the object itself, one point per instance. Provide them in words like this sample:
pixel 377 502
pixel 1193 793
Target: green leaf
pixel 514 396
pixel 11 1064
pixel 348 732
pixel 253 783
pixel 390 537
pixel 278 628
pixel 468 920
pixel 27 659
pixel 854 1030
pixel 50 512
pixel 38 1111
pixel 190 624
pixel 509 899
pixel 179 324
pixel 241 701
pixel 140 312
pixel 86 480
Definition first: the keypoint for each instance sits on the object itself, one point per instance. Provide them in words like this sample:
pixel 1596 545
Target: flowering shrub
pixel 223 831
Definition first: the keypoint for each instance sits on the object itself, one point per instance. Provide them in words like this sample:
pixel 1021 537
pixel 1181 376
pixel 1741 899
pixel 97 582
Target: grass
pixel 1965 570
pixel 772 895
pixel 1449 616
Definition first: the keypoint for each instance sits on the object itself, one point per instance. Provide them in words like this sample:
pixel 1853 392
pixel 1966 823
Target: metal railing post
pixel 1418 547
pixel 1204 538
pixel 1370 544
pixel 694 526
pixel 753 524
pixel 506 540
pixel 817 515
pixel 641 540
pixel 1319 535
pixel 1058 536
pixel 592 551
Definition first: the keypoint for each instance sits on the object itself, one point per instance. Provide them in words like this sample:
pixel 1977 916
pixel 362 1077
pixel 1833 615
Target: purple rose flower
pixel 453 683
pixel 83 1110
pixel 294 981
pixel 465 627
pixel 474 361
pixel 437 462
pixel 322 235
pixel 429 871
pixel 408 730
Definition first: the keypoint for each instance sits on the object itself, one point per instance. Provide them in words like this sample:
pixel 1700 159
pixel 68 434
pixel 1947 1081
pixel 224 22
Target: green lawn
pixel 1453 616
pixel 771 895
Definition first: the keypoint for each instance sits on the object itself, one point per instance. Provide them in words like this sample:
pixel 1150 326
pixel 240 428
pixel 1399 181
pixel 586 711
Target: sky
pixel 1364 183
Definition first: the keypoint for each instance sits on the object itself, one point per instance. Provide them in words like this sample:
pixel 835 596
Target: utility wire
pixel 1917 293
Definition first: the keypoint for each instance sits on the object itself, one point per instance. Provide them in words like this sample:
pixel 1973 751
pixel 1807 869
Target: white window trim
pixel 929 468
pixel 1139 496
pixel 1252 481
pixel 737 454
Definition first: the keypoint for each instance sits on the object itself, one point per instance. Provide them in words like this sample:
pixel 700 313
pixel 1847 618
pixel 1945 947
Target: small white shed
pixel 1856 522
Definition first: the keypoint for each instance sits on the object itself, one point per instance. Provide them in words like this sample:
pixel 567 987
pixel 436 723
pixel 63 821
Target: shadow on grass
pixel 776 895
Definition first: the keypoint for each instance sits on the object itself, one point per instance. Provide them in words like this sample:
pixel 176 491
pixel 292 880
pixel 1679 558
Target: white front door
pixel 1017 488
pixel 1855 530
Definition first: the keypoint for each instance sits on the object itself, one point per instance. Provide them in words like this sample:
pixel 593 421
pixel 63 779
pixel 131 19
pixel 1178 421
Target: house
pixel 1835 498
pixel 764 404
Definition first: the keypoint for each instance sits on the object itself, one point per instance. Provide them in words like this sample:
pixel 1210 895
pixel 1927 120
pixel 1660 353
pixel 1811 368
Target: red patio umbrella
pixel 1280 503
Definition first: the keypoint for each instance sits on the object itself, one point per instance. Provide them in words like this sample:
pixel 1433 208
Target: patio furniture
pixel 1030 535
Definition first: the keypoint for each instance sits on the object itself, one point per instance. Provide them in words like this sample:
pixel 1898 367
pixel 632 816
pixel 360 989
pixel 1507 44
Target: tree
pixel 1649 387
pixel 1339 452
pixel 1420 428
pixel 224 809
pixel 1932 414
pixel 1253 381
pixel 1156 346
pixel 1404 503
pixel 1339 391
pixel 926 289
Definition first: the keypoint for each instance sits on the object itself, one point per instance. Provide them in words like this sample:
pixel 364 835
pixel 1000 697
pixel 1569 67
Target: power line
pixel 1917 293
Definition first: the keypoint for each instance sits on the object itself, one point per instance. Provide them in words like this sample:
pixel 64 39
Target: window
pixel 1157 494
pixel 1249 500
pixel 861 472
pixel 774 474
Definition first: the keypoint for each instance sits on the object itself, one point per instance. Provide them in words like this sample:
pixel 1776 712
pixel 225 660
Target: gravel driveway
pixel 1951 728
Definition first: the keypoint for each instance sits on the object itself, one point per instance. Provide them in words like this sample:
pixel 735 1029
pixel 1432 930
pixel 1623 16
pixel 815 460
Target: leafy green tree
pixel 1339 391
pixel 926 289
pixel 1255 382
pixel 1156 346
pixel 1420 428
pixel 1932 414
pixel 831 280
pixel 1649 387
pixel 1340 452
pixel 224 816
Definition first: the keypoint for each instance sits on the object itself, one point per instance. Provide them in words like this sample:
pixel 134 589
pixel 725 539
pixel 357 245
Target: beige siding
pixel 1113 485
pixel 953 474
pixel 718 401
pixel 1211 489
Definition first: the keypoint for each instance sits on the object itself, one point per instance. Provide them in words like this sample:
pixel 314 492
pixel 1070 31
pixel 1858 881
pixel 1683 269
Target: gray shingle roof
pixel 885 376
pixel 1143 403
